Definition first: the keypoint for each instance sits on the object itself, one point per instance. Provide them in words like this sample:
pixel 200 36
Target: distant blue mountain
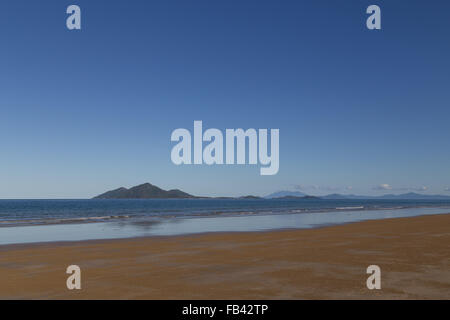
pixel 404 196
pixel 281 194
pixel 336 196
pixel 413 196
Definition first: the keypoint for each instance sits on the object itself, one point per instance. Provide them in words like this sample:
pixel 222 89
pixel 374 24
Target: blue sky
pixel 359 111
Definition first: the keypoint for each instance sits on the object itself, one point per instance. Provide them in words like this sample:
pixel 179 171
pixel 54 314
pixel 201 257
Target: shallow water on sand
pixel 157 226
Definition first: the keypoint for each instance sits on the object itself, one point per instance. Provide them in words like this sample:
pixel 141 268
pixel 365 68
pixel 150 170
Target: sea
pixel 34 221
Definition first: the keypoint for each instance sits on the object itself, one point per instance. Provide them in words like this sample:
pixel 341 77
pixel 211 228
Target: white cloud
pixel 386 186
pixel 447 188
pixel 423 188
pixel 383 186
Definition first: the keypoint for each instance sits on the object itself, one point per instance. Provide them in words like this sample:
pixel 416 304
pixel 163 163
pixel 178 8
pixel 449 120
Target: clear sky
pixel 359 111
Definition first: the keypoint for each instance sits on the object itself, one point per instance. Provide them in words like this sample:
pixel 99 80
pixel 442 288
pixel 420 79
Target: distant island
pixel 144 191
pixel 297 197
pixel 149 191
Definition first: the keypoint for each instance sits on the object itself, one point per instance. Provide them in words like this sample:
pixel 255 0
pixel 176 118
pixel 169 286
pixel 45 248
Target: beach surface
pixel 324 263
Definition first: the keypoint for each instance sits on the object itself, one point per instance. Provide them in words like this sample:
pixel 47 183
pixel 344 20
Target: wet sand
pixel 326 263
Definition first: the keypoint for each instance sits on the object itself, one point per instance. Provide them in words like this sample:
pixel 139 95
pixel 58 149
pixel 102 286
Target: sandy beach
pixel 326 263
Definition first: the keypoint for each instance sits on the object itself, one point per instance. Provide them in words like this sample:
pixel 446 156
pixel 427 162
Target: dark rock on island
pixel 250 197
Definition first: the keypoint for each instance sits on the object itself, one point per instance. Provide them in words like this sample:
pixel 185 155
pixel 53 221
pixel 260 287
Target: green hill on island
pixel 144 191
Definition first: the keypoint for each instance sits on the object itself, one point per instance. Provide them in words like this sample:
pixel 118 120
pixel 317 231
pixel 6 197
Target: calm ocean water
pixel 32 212
pixel 24 221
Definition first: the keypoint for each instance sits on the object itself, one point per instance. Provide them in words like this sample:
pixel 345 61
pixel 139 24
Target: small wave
pixel 59 220
pixel 349 208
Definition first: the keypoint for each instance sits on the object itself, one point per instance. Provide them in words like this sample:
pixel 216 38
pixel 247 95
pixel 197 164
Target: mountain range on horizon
pixel 403 196
pixel 149 191
pixel 284 193
pixel 337 196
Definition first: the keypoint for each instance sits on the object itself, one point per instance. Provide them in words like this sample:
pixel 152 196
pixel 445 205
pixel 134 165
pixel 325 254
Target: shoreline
pixel 322 263
pixel 138 228
pixel 190 235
